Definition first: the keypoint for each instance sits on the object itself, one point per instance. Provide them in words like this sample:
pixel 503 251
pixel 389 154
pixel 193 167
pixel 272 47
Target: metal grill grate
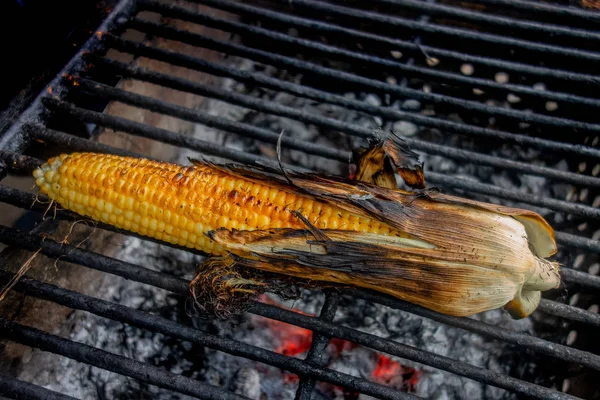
pixel 532 42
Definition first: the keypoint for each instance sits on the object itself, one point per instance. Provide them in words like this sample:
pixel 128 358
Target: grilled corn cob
pixel 452 255
pixel 180 205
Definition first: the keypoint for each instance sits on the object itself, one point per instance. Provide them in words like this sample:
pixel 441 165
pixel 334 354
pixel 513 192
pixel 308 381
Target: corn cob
pixel 449 254
pixel 179 205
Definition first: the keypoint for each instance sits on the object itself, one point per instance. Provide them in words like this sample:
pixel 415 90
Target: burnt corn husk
pixel 455 256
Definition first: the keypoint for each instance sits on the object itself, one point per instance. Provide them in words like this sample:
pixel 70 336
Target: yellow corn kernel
pixel 180 204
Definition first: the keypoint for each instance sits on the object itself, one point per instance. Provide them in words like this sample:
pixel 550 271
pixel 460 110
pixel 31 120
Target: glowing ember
pixel 340 345
pixel 291 340
pixel 390 372
pixel 294 340
pixel 290 378
pixel 386 369
pixel 72 79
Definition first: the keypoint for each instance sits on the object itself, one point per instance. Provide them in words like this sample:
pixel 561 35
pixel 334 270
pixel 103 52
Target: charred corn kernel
pixel 255 190
pixel 179 204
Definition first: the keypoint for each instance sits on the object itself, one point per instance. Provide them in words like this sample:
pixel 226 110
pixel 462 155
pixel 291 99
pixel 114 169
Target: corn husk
pixel 453 255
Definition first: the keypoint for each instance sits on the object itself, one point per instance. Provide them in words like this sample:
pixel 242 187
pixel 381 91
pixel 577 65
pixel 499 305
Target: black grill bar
pixel 162 325
pixel 148 131
pixel 274 108
pixel 514 24
pixel 102 359
pixel 198 64
pixel 521 340
pixel 579 242
pixel 430 28
pixel 11 388
pixel 371 85
pixel 525 69
pixel 277 109
pixel 140 129
pixel 494 191
pixel 144 320
pixel 206 119
pixel 581 278
pixel 66 141
pixel 336 30
pixel 412 70
pixel 318 345
pixel 19 162
pixel 51 248
pixel 539 7
pixel 570 312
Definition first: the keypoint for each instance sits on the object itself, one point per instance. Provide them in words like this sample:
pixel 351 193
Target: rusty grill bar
pixel 568 71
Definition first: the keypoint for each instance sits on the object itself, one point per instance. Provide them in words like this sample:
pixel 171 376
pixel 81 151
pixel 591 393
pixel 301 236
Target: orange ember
pixel 340 345
pixel 386 369
pixel 72 79
pixel 392 373
pixel 292 341
pixel 295 340
pixel 290 378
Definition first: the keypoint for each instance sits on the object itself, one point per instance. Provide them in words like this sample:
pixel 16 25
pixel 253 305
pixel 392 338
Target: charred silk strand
pixel 452 255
